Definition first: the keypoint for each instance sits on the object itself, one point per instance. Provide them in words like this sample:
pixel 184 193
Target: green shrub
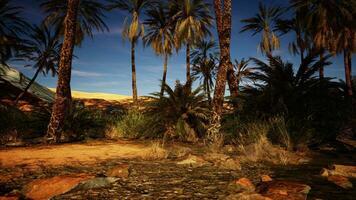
pixel 132 125
pixel 181 114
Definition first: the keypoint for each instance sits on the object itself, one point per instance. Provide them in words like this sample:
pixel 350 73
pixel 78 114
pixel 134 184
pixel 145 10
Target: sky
pixel 103 63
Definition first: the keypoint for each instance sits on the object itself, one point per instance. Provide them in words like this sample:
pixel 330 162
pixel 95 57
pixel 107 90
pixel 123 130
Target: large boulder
pixel 48 188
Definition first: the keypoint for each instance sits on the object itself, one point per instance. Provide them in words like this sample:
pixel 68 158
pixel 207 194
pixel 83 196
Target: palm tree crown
pixel 264 22
pixel 90 16
pixel 11 27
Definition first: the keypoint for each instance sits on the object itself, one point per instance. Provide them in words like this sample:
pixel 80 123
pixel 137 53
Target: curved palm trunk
pixel 134 85
pixel 347 63
pixel 63 94
pixel 28 86
pixel 188 64
pixel 164 73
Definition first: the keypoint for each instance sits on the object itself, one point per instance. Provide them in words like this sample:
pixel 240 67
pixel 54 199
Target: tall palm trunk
pixel 134 86
pixel 347 63
pixel 223 21
pixel 188 63
pixel 164 73
pixel 63 94
pixel 28 86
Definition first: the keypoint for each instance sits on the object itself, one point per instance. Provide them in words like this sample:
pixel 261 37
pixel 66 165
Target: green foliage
pixel 309 105
pixel 132 125
pixel 183 114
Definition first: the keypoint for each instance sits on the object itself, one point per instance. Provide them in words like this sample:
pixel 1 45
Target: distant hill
pixel 96 95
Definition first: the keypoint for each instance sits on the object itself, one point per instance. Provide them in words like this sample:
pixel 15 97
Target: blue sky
pixel 103 64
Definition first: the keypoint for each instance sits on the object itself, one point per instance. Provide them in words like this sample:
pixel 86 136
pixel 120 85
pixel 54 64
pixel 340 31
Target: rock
pixel 246 196
pixel 245 183
pixel 193 161
pixel 345 170
pixel 9 197
pixel 51 187
pixel 339 170
pixel 282 190
pixel 121 171
pixel 266 178
pixel 99 182
pixel 241 185
pixel 231 164
pixel 229 148
pixel 340 181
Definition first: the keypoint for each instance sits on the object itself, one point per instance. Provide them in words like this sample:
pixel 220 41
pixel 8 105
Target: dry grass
pixel 155 152
pixel 255 146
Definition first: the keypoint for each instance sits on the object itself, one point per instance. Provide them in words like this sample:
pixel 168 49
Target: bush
pixel 182 114
pixel 132 125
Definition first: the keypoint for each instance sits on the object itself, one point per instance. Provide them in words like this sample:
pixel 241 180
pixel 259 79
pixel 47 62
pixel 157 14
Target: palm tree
pixel 204 58
pixel 183 113
pixel 90 16
pixel 43 49
pixel 11 28
pixel 80 17
pixel 264 21
pixel 242 70
pixel 193 21
pixel 63 94
pixel 299 26
pixel 133 30
pixel 160 35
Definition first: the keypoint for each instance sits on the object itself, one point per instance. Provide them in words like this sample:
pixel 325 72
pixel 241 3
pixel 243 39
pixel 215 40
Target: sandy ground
pixel 96 95
pixel 71 154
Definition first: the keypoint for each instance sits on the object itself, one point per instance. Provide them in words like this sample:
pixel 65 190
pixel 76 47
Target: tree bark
pixel 134 85
pixel 164 74
pixel 188 64
pixel 63 93
pixel 28 86
pixel 223 22
pixel 347 64
pixel 232 81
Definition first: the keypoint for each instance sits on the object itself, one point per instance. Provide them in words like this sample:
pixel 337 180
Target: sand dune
pixel 96 95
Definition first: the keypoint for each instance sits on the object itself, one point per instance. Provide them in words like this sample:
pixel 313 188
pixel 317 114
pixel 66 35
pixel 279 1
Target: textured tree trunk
pixel 63 94
pixel 164 73
pixel 188 63
pixel 232 81
pixel 347 63
pixel 134 86
pixel 223 22
pixel 28 86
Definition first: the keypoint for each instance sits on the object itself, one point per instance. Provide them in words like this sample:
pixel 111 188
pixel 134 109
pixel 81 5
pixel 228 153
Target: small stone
pixel 99 182
pixel 121 171
pixel 266 178
pixel 340 181
pixel 245 183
